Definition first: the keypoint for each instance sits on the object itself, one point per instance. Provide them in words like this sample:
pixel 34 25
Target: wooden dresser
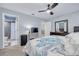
pixel 57 33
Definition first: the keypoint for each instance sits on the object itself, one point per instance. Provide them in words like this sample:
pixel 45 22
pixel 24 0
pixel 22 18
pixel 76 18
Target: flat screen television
pixel 34 30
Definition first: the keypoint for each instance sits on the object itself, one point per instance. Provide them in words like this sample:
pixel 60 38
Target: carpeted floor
pixel 12 51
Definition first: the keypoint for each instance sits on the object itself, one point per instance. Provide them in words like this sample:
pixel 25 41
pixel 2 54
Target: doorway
pixel 9 30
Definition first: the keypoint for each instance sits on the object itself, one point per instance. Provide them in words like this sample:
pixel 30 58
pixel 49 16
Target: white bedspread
pixel 42 46
pixel 49 46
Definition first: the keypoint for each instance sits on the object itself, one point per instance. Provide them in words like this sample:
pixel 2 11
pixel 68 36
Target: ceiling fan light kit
pixel 48 11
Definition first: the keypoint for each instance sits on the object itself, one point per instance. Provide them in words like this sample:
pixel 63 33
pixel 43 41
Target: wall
pixel 1 34
pixel 7 28
pixel 73 20
pixel 23 21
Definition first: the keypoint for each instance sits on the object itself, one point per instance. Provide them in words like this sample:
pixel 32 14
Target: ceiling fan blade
pixel 48 5
pixel 42 11
pixel 54 5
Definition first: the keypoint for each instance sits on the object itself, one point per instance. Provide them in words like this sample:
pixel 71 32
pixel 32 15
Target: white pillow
pixel 73 37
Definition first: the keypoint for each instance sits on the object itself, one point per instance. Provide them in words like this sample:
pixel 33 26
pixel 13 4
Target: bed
pixel 54 45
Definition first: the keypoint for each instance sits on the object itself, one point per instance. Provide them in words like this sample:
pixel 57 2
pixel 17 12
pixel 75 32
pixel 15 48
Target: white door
pixel 46 28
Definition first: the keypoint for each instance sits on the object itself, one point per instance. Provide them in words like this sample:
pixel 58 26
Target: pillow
pixel 73 38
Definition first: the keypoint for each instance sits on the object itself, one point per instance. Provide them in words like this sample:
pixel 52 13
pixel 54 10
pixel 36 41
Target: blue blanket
pixel 48 41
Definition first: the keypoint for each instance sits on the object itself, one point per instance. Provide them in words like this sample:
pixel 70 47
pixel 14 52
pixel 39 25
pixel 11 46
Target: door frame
pixel 3 19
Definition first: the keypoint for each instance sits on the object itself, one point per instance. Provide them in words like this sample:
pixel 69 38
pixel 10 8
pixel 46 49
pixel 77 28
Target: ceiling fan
pixel 49 8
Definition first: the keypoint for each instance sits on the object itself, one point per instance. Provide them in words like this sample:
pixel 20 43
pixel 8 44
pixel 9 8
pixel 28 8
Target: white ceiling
pixel 33 8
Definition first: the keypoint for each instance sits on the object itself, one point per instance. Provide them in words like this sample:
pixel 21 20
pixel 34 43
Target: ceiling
pixel 33 8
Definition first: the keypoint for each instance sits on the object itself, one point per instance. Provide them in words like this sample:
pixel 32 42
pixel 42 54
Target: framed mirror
pixel 61 26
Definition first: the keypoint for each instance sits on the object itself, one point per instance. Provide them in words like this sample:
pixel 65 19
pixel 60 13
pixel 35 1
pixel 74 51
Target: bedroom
pixel 60 22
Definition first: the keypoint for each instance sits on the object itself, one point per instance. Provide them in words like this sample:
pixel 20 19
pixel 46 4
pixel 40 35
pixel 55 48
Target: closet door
pixel 42 29
pixel 45 28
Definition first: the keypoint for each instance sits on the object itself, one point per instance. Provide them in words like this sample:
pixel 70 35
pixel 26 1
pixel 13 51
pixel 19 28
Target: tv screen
pixel 34 30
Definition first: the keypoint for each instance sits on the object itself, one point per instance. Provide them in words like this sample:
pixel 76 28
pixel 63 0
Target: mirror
pixel 61 26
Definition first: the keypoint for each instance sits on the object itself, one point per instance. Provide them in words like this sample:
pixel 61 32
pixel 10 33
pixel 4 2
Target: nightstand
pixel 23 40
